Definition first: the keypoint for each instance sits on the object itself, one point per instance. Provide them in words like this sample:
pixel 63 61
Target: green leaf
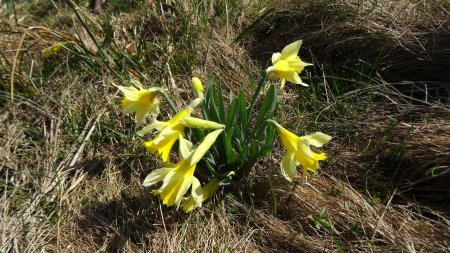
pixel 238 132
pixel 266 148
pixel 258 89
pixel 232 113
pixel 221 104
pixel 242 110
pixel 270 134
pixel 254 150
pixel 267 107
pixel 231 156
pixel 212 111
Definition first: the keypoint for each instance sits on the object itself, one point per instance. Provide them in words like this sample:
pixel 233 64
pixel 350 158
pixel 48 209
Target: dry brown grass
pixel 71 169
pixel 402 40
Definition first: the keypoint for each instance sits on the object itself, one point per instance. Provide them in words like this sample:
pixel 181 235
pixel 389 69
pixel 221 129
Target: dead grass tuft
pixel 402 40
pixel 358 225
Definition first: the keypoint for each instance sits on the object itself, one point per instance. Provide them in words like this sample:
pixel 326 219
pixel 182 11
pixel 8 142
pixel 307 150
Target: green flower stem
pixel 255 95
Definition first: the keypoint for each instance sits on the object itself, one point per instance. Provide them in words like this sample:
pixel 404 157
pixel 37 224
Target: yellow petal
pixel 297 64
pixel 293 77
pixel 129 92
pixel 162 144
pixel 193 122
pixel 128 105
pixel 204 146
pixel 155 176
pixel 158 125
pixel 187 180
pixel 189 204
pixel 288 166
pixel 197 192
pixel 185 147
pixel 169 193
pixel 317 139
pixel 291 50
pixel 275 57
pixel 303 148
pixel 181 114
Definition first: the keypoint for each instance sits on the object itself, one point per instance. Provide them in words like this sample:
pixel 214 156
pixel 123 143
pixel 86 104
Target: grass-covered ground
pixel 71 166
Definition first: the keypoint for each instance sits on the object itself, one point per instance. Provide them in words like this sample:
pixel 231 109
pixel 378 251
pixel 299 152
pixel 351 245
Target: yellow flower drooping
pixel 299 151
pixel 190 203
pixel 178 178
pixel 49 51
pixel 142 101
pixel 173 130
pixel 287 65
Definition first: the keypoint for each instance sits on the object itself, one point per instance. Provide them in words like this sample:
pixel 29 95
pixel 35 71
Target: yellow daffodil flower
pixel 49 51
pixel 299 151
pixel 178 178
pixel 190 203
pixel 287 65
pixel 142 101
pixel 173 130
pixel 197 86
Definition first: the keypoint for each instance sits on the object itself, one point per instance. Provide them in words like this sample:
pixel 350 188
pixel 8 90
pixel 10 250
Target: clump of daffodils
pixel 221 147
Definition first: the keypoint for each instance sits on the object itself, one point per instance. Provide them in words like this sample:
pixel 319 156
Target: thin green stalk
pixel 256 94
pixel 105 57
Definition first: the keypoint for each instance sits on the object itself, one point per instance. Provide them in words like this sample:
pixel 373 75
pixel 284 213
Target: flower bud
pixel 197 87
pixel 49 51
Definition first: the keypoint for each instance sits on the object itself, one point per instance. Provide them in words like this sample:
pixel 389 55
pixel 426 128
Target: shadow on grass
pixel 127 219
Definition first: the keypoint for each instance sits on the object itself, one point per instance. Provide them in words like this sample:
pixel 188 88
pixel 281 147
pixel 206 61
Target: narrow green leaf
pixel 254 150
pixel 262 125
pixel 231 156
pixel 270 134
pixel 238 132
pixel 213 112
pixel 242 111
pixel 221 104
pixel 258 89
pixel 266 149
pixel 232 113
pixel 268 103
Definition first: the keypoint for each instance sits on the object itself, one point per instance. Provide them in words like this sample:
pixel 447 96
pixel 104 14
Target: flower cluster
pixel 241 145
